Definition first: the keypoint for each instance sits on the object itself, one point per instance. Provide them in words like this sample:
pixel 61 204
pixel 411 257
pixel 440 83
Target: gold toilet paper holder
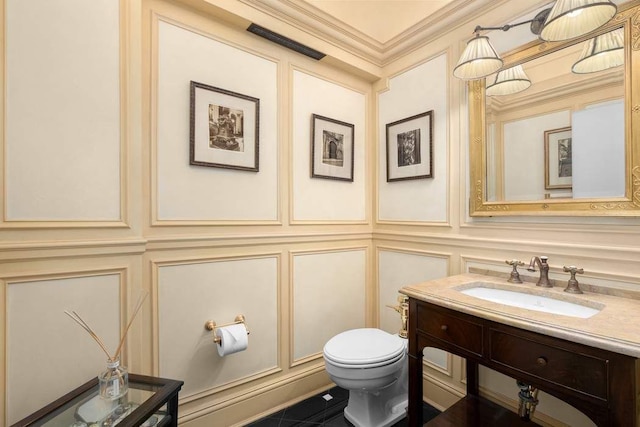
pixel 210 325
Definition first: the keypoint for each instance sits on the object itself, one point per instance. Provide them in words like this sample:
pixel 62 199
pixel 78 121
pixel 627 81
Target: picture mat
pixel 410 171
pixel 554 181
pixel 320 168
pixel 202 151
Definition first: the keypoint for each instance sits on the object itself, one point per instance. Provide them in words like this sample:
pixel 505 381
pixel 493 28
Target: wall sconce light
pixel 566 19
pixel 600 53
pixel 509 81
pixel 571 18
pixel 478 60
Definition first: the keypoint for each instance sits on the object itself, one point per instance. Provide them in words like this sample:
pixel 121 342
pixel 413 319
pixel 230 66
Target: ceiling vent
pixel 285 41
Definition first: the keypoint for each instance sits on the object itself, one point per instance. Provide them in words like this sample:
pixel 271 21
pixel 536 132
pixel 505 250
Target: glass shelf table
pixel 150 402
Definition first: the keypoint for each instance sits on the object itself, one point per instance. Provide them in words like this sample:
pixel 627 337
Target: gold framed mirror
pixel 518 143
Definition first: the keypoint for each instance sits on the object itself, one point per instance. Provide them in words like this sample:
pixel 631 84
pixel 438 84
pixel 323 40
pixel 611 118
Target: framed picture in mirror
pixel 557 159
pixel 410 148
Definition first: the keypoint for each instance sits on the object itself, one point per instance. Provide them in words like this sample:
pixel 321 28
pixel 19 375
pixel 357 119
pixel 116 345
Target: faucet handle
pixel 573 270
pixel 515 276
pixel 402 303
pixel 573 285
pixel 395 307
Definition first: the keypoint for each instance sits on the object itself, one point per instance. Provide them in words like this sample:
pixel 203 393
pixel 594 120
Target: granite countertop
pixel 616 327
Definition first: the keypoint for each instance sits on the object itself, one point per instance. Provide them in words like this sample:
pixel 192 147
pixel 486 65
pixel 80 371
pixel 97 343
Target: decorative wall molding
pixel 306 18
pixel 206 413
pixel 337 294
pixel 125 134
pixel 205 340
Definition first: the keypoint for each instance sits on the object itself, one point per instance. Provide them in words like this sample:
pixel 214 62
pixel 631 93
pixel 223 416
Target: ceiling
pixel 379 32
pixel 382 20
pixel 374 31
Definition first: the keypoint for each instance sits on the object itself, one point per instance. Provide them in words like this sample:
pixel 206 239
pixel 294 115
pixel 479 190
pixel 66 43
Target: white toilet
pixel 372 364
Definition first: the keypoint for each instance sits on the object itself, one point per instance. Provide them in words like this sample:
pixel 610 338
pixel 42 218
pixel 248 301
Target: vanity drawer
pixel 458 331
pixel 570 369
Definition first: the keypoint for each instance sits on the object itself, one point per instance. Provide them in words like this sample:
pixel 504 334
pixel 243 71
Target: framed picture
pixel 331 149
pixel 410 148
pixel 557 159
pixel 224 128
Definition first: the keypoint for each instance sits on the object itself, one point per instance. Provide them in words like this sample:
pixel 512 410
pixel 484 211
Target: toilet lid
pixel 365 347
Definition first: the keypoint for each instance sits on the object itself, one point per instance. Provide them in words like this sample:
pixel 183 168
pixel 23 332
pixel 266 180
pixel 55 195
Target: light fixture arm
pixel 506 27
pixel 536 24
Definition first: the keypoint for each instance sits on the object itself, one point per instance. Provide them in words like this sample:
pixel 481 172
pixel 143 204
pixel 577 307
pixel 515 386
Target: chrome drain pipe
pixel 528 397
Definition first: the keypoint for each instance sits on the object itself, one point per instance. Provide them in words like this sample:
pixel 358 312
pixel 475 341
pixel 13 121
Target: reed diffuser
pixel 114 381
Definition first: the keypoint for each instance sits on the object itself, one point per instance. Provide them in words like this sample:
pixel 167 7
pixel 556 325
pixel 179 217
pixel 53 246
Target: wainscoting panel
pixel 398 268
pixel 328 290
pixel 192 292
pixel 415 91
pixel 62 118
pixel 43 341
pixel 318 199
pixel 198 193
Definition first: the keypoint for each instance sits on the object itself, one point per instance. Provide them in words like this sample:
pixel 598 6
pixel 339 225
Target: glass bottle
pixel 114 381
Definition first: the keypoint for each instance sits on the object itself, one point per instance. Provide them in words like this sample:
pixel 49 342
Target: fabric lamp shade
pixel 478 60
pixel 509 81
pixel 600 53
pixel 573 18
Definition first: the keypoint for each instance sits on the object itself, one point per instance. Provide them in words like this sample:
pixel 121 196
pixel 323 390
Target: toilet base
pixel 381 409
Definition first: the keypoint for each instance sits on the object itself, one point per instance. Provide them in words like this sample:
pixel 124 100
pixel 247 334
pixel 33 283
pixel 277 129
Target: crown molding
pixel 307 18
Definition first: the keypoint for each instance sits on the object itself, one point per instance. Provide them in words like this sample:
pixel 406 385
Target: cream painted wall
pixel 523 180
pixel 206 243
pixel 192 292
pixel 417 90
pixel 184 192
pixel 154 235
pixel 607 248
pixel 328 298
pixel 321 199
pixel 63 130
pixel 400 268
pixel 42 341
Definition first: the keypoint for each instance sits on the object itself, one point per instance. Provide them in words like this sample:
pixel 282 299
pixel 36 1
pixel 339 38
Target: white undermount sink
pixel 530 301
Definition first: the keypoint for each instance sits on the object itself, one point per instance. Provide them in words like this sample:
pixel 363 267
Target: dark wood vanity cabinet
pixel 600 383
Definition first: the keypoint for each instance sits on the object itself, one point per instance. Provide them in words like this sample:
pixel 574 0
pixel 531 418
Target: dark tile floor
pixel 320 411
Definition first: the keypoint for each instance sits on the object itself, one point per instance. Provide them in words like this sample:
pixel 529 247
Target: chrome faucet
pixel 543 281
pixel 573 287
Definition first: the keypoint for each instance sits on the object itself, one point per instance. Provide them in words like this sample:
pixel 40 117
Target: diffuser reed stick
pixel 114 381
pixel 80 321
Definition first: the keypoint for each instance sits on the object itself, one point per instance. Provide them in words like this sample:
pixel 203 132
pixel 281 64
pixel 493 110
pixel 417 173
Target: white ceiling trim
pixel 309 19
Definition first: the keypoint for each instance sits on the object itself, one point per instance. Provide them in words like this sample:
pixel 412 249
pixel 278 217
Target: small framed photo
pixel 224 128
pixel 331 149
pixel 410 148
pixel 557 159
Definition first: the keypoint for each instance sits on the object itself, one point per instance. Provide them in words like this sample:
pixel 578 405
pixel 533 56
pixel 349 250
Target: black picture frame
pixel 224 128
pixel 332 149
pixel 410 148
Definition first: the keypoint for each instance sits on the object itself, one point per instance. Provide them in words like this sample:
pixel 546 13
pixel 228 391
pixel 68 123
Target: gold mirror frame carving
pixel 628 16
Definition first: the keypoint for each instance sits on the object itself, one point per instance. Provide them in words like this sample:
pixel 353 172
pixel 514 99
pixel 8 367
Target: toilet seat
pixel 364 348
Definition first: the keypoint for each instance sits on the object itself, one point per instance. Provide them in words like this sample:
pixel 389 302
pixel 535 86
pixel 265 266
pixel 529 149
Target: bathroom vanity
pixel 590 362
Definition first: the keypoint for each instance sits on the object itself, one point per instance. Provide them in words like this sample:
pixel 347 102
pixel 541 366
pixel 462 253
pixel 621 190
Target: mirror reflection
pixel 555 126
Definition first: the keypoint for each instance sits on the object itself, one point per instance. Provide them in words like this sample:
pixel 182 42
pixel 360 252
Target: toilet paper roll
pixel 233 339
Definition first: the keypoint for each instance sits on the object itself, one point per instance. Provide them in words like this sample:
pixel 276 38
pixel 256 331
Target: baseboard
pixel 440 394
pixel 272 397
